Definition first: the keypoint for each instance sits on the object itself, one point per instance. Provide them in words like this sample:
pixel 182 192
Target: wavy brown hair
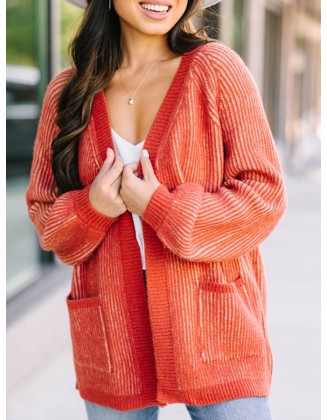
pixel 95 55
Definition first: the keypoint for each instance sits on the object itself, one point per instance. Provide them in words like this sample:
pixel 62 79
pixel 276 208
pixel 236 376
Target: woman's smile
pixel 155 10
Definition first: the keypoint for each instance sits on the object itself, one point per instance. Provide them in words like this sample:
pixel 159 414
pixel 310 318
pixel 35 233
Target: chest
pixel 185 140
pixel 133 122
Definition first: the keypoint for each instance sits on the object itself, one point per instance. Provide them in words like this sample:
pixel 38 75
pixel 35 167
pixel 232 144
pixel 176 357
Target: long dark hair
pixel 95 55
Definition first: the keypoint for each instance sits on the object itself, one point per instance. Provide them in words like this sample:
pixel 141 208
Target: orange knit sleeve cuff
pixel 88 214
pixel 158 207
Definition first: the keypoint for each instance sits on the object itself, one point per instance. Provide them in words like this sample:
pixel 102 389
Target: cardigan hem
pixel 217 393
pixel 199 397
pixel 118 402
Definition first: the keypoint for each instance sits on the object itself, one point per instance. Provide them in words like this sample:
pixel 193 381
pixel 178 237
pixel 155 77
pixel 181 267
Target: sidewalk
pixel 292 260
pixel 40 375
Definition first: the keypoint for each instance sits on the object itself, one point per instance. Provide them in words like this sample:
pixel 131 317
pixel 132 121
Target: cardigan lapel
pixel 161 121
pixel 134 290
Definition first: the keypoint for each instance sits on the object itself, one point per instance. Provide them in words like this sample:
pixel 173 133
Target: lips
pixel 165 7
pixel 156 2
pixel 156 15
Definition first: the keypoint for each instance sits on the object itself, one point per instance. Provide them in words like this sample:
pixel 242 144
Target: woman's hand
pixel 137 192
pixel 104 192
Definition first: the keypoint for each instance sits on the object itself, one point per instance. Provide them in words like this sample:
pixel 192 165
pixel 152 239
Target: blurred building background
pixel 279 41
pixel 37 36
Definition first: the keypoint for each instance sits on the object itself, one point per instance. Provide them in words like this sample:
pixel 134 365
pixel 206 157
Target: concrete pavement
pixel 292 260
pixel 40 375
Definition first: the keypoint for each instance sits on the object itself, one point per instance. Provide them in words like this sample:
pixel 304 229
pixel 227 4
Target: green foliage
pixel 22 34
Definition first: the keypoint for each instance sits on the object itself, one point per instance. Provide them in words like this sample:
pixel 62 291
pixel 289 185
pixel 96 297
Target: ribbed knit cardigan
pixel 197 334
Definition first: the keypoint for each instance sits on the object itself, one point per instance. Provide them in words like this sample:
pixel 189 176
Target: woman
pixel 191 211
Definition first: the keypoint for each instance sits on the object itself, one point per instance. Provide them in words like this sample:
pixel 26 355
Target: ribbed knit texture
pixel 197 333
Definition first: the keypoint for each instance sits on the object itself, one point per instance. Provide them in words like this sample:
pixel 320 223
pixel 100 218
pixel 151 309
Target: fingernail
pixel 145 153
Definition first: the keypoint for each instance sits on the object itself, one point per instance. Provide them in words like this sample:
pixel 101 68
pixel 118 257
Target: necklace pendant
pixel 131 101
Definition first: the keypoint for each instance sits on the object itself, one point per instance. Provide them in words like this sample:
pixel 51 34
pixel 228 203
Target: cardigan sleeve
pixel 211 226
pixel 66 224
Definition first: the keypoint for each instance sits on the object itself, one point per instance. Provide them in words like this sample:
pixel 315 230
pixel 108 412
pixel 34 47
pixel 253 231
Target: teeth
pixel 155 7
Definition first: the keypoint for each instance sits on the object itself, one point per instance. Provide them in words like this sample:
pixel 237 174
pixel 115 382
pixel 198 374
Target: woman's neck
pixel 141 50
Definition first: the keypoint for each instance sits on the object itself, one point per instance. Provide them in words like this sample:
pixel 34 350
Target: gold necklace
pixel 131 95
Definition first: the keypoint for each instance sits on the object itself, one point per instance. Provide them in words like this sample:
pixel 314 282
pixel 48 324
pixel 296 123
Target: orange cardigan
pixel 198 333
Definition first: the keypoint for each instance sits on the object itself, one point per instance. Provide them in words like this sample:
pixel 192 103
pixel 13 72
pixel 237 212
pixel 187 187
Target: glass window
pixel 22 78
pixel 29 54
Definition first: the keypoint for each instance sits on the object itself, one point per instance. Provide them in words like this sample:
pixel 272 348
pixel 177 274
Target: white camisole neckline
pixel 131 153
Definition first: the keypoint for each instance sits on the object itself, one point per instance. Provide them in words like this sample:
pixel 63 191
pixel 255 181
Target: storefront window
pixel 30 52
pixel 22 78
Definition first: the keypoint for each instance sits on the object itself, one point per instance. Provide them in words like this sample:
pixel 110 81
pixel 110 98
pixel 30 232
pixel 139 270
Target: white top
pixel 129 153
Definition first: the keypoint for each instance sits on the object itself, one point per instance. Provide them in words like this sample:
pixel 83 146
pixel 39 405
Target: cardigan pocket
pixel 230 320
pixel 88 333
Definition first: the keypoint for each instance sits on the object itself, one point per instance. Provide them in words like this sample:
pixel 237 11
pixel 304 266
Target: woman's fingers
pixel 116 184
pixel 114 172
pixel 130 168
pixel 107 163
pixel 147 168
pixel 110 170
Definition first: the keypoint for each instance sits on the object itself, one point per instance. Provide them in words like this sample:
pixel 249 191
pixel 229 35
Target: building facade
pixel 280 42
